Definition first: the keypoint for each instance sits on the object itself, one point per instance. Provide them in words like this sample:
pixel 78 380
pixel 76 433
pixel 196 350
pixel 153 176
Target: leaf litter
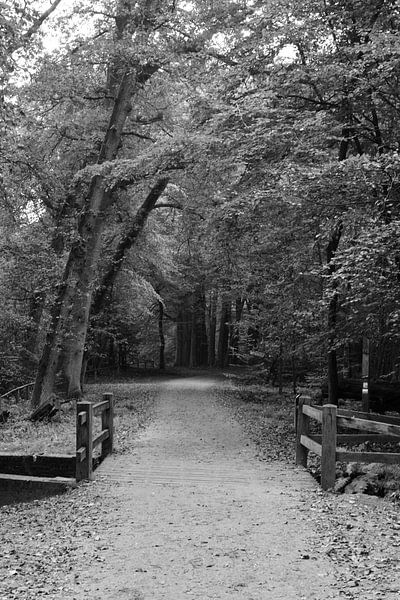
pixel 45 544
pixel 359 534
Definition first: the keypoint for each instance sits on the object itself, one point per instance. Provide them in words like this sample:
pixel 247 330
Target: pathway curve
pixel 197 516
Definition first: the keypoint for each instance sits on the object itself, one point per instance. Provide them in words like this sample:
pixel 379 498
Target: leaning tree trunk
pixel 102 293
pixel 71 308
pixel 91 228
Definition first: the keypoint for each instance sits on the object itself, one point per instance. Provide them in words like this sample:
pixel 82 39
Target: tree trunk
pixel 184 333
pixel 192 356
pixel 102 293
pixel 280 369
pixel 36 306
pixel 191 338
pixel 199 310
pixel 235 337
pixel 70 313
pixel 161 336
pixel 212 327
pixel 223 338
pixel 333 379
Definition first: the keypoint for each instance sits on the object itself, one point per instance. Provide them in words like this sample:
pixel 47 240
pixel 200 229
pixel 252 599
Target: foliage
pixel 275 122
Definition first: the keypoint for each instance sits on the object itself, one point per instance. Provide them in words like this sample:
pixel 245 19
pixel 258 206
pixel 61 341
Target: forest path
pixel 195 515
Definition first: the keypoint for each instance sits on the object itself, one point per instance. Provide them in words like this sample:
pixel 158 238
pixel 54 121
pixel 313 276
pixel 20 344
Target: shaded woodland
pixel 199 184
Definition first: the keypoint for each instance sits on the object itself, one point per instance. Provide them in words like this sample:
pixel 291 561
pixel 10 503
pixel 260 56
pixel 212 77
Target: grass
pixel 133 409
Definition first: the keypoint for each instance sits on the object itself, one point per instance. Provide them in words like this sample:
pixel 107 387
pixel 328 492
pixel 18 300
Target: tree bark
pixel 70 312
pixel 183 333
pixel 223 338
pixel 161 336
pixel 333 379
pixel 212 327
pixel 102 293
pixel 191 338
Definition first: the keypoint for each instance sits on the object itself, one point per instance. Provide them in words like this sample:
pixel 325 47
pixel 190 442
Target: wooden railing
pixel 325 445
pixel 85 444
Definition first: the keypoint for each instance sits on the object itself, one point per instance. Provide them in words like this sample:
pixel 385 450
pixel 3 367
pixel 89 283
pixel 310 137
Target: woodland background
pixel 198 183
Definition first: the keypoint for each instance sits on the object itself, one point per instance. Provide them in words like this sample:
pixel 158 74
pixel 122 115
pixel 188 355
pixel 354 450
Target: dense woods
pixel 200 184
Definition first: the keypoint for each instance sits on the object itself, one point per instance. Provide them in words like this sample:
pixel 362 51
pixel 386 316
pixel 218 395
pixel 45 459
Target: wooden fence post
pixel 107 422
pixel 328 454
pixel 303 427
pixel 296 411
pixel 84 439
pixel 365 375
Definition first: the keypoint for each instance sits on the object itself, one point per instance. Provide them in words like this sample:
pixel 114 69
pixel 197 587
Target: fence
pixel 384 429
pixel 85 443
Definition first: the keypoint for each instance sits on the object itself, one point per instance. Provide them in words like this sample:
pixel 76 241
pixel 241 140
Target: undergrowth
pixel 268 418
pixel 133 409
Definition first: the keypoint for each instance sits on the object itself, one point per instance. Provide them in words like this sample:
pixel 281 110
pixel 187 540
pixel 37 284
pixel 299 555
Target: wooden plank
pixel 309 443
pixel 369 416
pixel 84 433
pixel 81 454
pixel 328 455
pixel 99 407
pixel 82 417
pixel 55 465
pixel 361 438
pixel 107 422
pixel 17 488
pixel 303 426
pixel 296 411
pixel 357 438
pixel 366 425
pixel 313 412
pixel 365 374
pixel 389 458
pixel 104 435
pixel 35 480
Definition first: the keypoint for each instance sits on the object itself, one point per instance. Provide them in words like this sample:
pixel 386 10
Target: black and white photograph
pixel 200 299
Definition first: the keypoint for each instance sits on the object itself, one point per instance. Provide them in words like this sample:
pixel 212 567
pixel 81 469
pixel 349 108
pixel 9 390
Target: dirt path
pixel 196 516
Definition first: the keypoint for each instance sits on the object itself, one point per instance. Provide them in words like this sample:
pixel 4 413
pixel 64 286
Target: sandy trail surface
pixel 194 515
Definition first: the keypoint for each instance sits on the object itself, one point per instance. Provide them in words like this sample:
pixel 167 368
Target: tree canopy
pixel 197 184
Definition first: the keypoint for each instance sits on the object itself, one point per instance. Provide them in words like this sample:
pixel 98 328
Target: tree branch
pixel 139 220
pixel 168 205
pixel 38 23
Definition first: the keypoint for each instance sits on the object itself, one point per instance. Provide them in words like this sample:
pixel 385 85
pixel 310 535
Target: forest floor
pixel 201 500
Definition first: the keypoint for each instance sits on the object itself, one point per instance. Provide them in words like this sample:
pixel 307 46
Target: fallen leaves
pixel 45 543
pixel 359 534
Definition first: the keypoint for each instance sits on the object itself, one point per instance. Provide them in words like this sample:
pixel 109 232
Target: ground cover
pixel 360 533
pixel 44 541
pixel 20 435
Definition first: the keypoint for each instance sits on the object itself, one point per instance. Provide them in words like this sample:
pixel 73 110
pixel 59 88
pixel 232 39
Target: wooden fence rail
pixel 85 443
pixel 325 445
